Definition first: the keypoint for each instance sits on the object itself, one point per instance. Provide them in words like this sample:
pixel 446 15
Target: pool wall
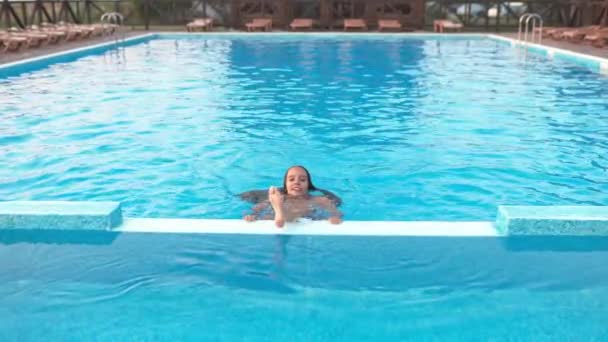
pixel 281 263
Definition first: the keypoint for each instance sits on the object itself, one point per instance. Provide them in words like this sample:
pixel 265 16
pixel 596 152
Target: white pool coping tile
pixel 352 228
pixel 76 50
pixel 551 51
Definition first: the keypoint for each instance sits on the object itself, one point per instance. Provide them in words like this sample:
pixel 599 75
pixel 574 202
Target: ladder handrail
pixel 116 19
pixel 521 19
pixel 113 18
pixel 536 18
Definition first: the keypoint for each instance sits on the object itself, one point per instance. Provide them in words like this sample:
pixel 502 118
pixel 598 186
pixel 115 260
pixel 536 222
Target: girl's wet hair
pixel 311 187
pixel 257 196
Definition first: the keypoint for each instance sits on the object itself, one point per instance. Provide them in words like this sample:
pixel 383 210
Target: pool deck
pixel 565 45
pixel 64 46
pixel 9 57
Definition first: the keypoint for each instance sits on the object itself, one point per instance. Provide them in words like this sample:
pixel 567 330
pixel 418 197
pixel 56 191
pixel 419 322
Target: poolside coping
pixel 60 215
pixel 510 221
pixel 552 220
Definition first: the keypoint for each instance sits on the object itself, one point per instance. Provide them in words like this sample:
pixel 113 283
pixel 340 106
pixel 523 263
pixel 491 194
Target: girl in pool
pixel 294 201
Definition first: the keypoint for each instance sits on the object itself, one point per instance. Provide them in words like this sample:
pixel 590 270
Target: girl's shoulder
pixel 321 199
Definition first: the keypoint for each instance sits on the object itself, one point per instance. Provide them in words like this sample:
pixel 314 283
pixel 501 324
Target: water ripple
pixel 401 129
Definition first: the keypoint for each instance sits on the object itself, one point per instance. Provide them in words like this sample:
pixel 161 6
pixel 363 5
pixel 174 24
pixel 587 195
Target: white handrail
pixel 113 18
pixel 116 19
pixel 535 19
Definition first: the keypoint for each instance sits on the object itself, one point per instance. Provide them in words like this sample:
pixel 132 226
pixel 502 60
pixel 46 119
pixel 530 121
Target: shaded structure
pixel 326 14
pixel 22 13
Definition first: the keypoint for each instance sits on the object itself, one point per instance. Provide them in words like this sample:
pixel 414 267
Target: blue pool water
pixel 160 287
pixel 401 129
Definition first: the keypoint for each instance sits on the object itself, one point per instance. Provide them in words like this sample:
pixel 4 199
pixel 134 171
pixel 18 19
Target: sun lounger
pixel 389 24
pixel 85 31
pixel 548 31
pixel 301 24
pixel 109 29
pixel 575 35
pixel 259 23
pixel 358 24
pixel 443 25
pixel 34 39
pixel 9 42
pixel 552 32
pixel 598 38
pixel 96 30
pixel 200 24
pixel 601 41
pixel 54 37
pixel 72 32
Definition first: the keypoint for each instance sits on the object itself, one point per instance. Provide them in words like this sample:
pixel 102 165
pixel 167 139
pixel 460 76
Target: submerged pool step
pixel 60 215
pixel 552 220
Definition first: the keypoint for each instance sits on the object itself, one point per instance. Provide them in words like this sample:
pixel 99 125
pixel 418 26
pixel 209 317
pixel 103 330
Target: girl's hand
pixel 335 220
pixel 275 197
pixel 249 218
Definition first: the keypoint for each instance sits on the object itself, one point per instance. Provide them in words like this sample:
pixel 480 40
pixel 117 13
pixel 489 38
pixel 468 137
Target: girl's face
pixel 296 182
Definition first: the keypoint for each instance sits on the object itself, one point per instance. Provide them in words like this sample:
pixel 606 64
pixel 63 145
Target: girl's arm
pixel 329 205
pixel 256 210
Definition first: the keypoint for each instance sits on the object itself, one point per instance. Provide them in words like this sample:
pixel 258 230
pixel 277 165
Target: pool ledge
pixel 553 220
pixel 107 216
pixel 369 228
pixel 597 64
pixel 60 215
pixel 80 51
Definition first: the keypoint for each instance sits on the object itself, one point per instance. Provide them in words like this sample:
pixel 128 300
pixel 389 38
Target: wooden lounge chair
pixel 444 25
pixel 97 30
pixel 551 32
pixel 33 39
pixel 54 36
pixel 259 23
pixel 301 24
pixel 9 42
pixel 111 28
pixel 200 24
pixel 85 31
pixel 601 41
pixel 576 35
pixel 598 38
pixel 358 24
pixel 72 32
pixel 389 24
pixel 543 30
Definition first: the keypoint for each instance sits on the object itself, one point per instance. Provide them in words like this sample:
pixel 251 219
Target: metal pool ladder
pixel 537 20
pixel 114 18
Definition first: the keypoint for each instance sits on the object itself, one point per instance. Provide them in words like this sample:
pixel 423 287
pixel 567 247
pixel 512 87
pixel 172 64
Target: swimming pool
pixel 402 128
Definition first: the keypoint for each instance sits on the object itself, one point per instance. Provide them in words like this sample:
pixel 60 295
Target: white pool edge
pixel 347 228
pixel 75 50
pixel 323 34
pixel 552 51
